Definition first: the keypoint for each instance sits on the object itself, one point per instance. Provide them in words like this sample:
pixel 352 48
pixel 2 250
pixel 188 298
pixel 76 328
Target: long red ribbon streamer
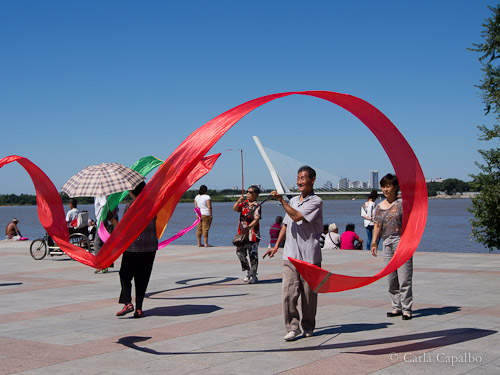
pixel 104 234
pixel 52 217
pixel 163 192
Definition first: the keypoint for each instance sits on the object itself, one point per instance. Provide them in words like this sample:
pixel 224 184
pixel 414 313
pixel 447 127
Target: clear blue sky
pixel 111 81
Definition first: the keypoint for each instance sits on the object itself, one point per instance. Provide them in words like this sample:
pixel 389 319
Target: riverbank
pixel 448 227
pixel 224 198
pixel 455 196
pixel 59 317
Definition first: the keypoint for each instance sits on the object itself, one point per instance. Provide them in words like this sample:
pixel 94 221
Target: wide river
pixel 448 228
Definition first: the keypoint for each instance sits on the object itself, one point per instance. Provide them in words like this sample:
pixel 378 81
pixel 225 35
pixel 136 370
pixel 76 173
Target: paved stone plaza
pixel 58 317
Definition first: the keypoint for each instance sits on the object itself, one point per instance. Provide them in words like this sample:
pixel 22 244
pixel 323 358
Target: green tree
pixel 453 186
pixel 486 206
pixel 433 188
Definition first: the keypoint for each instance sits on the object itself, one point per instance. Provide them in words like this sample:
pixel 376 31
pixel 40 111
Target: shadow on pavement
pixel 270 281
pixel 187 281
pixel 181 310
pixel 10 284
pixel 204 297
pixel 423 341
pixel 431 340
pixel 436 311
pixel 349 328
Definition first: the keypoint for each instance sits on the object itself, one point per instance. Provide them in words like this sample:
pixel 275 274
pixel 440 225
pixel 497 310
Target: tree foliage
pixel 450 186
pixel 17 200
pixel 28 199
pixel 486 206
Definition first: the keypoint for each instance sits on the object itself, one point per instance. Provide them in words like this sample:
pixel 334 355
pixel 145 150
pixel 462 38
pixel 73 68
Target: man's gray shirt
pixel 302 237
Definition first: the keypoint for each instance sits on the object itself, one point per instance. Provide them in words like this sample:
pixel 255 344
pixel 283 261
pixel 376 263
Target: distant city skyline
pixel 342 183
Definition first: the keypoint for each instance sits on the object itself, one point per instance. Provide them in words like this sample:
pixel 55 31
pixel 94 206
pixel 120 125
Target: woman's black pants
pixel 137 266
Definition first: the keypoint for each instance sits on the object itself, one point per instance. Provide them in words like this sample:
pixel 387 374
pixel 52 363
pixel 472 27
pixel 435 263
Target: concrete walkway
pixel 58 317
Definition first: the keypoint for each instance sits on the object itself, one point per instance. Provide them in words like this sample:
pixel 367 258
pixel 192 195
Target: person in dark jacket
pixel 137 264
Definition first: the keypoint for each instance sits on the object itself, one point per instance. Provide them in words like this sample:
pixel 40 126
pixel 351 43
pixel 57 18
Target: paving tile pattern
pixel 58 317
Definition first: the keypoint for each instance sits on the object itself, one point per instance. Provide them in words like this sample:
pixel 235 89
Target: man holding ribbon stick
pixel 302 228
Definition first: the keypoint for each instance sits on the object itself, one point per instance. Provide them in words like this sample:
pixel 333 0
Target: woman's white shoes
pixel 292 335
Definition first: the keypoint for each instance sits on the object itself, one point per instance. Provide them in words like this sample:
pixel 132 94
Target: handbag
pixel 240 239
pixel 359 246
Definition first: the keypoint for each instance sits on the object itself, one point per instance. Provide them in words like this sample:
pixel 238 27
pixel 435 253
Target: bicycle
pixel 41 247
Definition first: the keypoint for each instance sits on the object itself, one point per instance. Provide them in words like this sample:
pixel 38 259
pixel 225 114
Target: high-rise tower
pixel 374 182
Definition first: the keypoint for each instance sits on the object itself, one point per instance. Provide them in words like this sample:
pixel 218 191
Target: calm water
pixel 448 228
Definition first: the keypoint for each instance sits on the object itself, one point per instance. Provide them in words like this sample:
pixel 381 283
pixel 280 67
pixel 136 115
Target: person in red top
pixel 274 231
pixel 250 213
pixel 348 237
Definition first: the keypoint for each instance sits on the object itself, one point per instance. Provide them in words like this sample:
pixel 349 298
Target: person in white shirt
pixel 109 222
pixel 332 239
pixel 204 203
pixel 367 211
pixel 73 212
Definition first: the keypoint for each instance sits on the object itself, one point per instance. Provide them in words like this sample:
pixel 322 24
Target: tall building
pixel 374 181
pixel 328 186
pixel 343 184
pixel 356 184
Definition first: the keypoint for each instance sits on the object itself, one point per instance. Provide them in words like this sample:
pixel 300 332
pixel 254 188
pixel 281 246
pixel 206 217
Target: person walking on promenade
pixel 12 232
pixel 274 231
pixel 137 264
pixel 250 214
pixel 204 203
pixel 388 220
pixel 367 210
pixel 302 228
pixel 109 222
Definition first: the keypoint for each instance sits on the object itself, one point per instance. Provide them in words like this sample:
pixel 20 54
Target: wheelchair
pixel 41 247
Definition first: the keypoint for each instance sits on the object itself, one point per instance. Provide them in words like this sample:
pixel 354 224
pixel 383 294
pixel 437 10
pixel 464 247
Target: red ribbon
pixel 104 234
pixel 162 193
